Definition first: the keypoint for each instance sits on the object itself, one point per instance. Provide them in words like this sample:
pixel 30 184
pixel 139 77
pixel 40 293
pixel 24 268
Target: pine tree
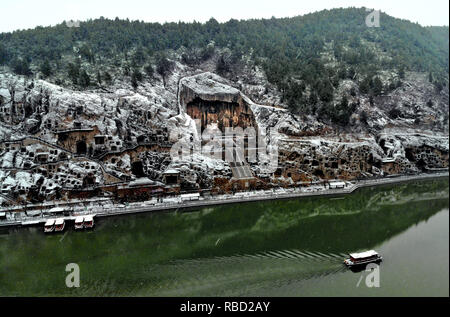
pixel 84 79
pixel 139 56
pixel 46 69
pixel 99 78
pixel 73 72
pixel 3 55
pixel 326 91
pixel 107 77
pixel 164 67
pixel 401 72
pixel 312 100
pixel 136 77
pixel 21 66
pixel 344 102
pixel 364 85
pixel 377 86
pixel 222 66
pixel 134 82
pixel 149 70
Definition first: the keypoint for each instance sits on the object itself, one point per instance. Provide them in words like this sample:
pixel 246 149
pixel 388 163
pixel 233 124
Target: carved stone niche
pixel 210 99
pixel 225 114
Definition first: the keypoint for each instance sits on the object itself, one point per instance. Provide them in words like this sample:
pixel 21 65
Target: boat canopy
pixel 59 221
pixel 88 218
pixel 363 255
pixel 79 219
pixel 50 222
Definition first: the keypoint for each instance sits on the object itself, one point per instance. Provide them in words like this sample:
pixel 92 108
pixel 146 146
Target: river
pixel 272 248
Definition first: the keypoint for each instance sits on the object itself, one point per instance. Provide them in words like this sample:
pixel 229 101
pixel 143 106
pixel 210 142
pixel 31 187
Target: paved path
pixel 266 196
pixel 237 199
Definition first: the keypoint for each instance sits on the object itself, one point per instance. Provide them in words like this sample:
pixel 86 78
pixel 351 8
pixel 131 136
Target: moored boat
pixel 49 226
pixel 363 258
pixel 79 223
pixel 59 224
pixel 88 222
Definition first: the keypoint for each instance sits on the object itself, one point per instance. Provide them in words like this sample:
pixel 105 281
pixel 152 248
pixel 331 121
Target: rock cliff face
pixel 57 143
pixel 207 98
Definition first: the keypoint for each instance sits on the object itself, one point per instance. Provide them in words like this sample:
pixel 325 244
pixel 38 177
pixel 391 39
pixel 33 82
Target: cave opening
pixel 383 146
pixel 137 168
pixel 88 180
pixel 81 147
pixel 422 165
pixel 171 180
pixel 318 173
pixel 409 153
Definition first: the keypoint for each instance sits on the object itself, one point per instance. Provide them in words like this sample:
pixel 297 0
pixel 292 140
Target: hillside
pixel 85 108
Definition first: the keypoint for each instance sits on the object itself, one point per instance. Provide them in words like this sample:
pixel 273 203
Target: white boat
pixel 363 258
pixel 88 222
pixel 59 224
pixel 79 223
pixel 49 226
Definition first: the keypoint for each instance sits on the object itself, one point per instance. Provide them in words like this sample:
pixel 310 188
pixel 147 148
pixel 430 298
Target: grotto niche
pixel 209 98
pixel 225 114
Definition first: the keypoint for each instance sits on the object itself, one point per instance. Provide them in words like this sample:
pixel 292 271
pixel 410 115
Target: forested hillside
pixel 305 57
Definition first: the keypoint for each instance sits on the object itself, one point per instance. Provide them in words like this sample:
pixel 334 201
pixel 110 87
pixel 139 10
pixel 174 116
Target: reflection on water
pixel 287 248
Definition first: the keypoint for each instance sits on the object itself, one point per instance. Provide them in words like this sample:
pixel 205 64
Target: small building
pixel 171 177
pixel 335 185
pixel 190 197
pixel 55 211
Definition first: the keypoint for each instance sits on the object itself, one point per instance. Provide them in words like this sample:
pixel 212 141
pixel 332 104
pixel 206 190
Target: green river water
pixel 277 248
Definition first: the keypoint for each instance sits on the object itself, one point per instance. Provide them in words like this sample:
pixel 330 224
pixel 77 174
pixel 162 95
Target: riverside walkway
pixel 114 210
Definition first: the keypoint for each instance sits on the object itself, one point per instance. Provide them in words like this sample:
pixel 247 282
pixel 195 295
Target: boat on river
pixel 49 226
pixel 88 222
pixel 79 223
pixel 60 223
pixel 363 258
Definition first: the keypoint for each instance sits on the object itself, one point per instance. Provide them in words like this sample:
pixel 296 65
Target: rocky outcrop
pixel 57 141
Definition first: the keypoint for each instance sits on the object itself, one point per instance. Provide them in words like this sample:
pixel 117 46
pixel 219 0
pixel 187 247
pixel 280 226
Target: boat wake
pixel 242 274
pixel 277 254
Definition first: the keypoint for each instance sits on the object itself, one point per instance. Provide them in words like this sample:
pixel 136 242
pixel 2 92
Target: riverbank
pixel 109 210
